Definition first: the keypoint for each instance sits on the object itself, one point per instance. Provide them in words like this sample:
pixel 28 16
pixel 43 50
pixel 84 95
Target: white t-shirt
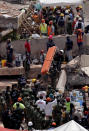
pixel 49 107
pixel 42 93
pixel 41 104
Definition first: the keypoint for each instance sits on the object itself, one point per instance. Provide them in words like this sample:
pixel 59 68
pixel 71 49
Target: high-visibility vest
pixel 50 32
pixel 68 106
pixel 80 38
pixel 43 28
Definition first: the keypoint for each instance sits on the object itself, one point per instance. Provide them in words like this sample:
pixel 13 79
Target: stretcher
pixel 48 60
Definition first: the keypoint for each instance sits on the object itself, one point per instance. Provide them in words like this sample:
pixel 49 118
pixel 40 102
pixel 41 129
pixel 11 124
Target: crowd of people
pixel 38 106
pixel 59 20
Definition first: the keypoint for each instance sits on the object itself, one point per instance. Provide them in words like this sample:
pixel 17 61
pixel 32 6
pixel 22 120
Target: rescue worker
pixel 61 24
pixel 19 104
pixel 68 48
pixel 67 104
pixel 41 103
pixel 26 65
pixel 28 48
pixel 51 28
pixel 80 40
pixel 42 56
pixel 50 42
pixel 69 26
pixel 43 28
pixel 79 25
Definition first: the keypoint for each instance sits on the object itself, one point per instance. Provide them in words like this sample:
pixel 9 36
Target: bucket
pixel 3 62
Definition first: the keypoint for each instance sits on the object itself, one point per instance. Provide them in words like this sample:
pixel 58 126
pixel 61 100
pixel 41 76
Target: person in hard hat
pixel 69 26
pixel 50 42
pixel 79 25
pixel 68 48
pixel 61 24
pixel 66 19
pixel 80 40
pixel 51 28
pixel 19 104
pixel 74 22
pixel 43 28
pixel 42 56
pixel 30 125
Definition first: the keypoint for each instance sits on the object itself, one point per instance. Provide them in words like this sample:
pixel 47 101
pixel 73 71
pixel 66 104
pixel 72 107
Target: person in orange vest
pixel 80 38
pixel 51 29
pixel 43 28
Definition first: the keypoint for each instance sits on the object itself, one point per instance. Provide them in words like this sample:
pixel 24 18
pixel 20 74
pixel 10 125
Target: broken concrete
pixel 62 81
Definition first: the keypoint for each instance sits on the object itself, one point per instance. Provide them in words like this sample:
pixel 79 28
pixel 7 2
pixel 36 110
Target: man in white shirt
pixel 41 103
pixel 42 93
pixel 49 107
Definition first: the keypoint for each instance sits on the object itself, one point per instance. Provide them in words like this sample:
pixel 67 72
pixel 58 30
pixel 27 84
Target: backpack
pixel 61 22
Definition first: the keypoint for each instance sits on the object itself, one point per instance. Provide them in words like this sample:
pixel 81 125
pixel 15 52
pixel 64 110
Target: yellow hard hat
pixel 80 6
pixel 61 14
pixel 68 6
pixel 33 80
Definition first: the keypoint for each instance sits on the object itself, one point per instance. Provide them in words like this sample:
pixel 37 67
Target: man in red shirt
pixel 28 48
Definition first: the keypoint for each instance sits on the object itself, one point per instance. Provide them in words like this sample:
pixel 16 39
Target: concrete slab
pixel 74 62
pixel 84 61
pixel 5 71
pixel 85 70
pixel 62 81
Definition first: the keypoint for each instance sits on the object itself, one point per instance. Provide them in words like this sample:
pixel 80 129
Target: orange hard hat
pixel 48 99
pixel 19 99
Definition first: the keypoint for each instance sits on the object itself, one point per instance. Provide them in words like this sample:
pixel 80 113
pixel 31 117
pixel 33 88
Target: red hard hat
pixel 51 22
pixel 42 51
pixel 43 20
pixel 68 99
pixel 53 123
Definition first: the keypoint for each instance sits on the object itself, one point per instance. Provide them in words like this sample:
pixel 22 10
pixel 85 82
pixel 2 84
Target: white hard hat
pixel 67 12
pixel 62 51
pixel 30 123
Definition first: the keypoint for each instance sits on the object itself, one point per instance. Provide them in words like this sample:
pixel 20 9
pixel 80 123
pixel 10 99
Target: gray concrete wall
pixel 39 44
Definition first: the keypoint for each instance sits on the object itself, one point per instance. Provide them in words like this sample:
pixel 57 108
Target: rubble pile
pixel 29 26
pixel 76 72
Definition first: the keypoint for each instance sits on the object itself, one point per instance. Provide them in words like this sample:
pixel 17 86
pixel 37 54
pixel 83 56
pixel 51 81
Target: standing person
pixel 50 42
pixel 28 48
pixel 61 24
pixel 26 65
pixel 80 39
pixel 68 48
pixel 69 26
pixel 43 28
pixel 9 50
pixel 42 56
pixel 51 28
pixel 41 103
pixel 79 25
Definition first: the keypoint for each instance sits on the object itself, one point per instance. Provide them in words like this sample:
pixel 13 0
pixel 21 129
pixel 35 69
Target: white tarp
pixel 45 3
pixel 70 126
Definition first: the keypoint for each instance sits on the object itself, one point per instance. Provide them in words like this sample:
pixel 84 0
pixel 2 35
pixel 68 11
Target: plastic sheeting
pixel 70 126
pixel 45 3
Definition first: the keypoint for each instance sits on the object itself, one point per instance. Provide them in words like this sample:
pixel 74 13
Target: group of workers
pixel 56 21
